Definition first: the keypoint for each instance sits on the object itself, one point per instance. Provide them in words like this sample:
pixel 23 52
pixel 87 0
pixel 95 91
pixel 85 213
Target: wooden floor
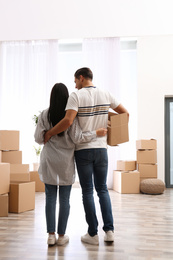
pixel 143 230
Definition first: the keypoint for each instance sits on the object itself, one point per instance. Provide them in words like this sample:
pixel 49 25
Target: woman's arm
pixel 77 136
pixel 39 131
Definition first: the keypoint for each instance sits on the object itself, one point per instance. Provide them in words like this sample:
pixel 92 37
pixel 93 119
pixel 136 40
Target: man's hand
pixel 47 136
pixel 101 132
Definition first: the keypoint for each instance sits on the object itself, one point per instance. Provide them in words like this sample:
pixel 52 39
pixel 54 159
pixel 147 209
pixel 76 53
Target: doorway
pixel 169 142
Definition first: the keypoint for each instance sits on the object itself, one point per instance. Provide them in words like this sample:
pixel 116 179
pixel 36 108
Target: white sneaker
pixel 62 240
pixel 109 236
pixel 51 240
pixel 90 240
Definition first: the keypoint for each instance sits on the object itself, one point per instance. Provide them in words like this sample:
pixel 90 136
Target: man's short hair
pixel 85 72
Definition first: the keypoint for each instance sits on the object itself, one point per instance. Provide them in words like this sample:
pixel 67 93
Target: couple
pixel 76 123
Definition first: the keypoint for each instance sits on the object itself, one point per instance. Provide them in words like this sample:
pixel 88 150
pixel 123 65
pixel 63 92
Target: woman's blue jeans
pixel 64 207
pixel 92 167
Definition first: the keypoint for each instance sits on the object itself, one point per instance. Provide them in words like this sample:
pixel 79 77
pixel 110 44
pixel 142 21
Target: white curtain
pixel 28 70
pixel 102 56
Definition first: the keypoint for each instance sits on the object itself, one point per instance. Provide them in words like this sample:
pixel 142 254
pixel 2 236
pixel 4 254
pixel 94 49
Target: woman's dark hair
pixel 85 72
pixel 58 100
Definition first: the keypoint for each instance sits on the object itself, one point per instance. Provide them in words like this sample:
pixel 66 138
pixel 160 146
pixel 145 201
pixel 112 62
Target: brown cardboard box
pixel 19 177
pixel 9 140
pixel 14 157
pixel 147 156
pixel 126 182
pixel 146 144
pixel 19 168
pixel 118 129
pixel 4 205
pixel 126 165
pixel 39 185
pixel 4 178
pixel 147 170
pixel 21 197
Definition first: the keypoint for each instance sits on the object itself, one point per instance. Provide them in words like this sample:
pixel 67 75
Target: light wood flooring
pixel 143 230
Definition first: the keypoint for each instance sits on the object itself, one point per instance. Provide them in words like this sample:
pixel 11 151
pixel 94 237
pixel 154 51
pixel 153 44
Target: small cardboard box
pixel 147 170
pixel 13 157
pixel 126 165
pixel 147 156
pixel 146 144
pixel 19 168
pixel 117 129
pixel 21 197
pixel 126 182
pixel 4 178
pixel 39 185
pixel 9 140
pixel 19 177
pixel 4 205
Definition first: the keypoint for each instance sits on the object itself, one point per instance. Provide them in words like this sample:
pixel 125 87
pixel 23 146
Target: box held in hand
pixel 117 129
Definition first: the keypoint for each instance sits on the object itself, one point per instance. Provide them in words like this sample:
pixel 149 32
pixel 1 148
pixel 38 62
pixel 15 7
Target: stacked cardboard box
pixel 39 185
pixel 14 173
pixel 126 179
pixel 147 158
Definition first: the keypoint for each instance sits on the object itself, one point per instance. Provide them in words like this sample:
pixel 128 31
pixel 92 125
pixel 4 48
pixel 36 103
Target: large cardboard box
pixel 19 177
pixel 147 170
pixel 9 140
pixel 147 156
pixel 146 144
pixel 14 157
pixel 4 178
pixel 4 205
pixel 21 197
pixel 126 182
pixel 126 165
pixel 19 168
pixel 39 185
pixel 117 129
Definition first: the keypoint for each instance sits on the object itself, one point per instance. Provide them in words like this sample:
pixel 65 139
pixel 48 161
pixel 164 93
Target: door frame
pixel 168 100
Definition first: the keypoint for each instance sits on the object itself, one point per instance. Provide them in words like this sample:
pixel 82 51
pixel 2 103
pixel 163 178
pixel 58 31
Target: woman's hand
pixel 101 132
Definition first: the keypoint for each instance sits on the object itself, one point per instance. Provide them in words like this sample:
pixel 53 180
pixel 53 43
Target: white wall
pixel 56 19
pixel 155 81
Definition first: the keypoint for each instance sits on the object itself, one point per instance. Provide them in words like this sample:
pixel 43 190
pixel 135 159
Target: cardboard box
pixel 19 168
pixel 4 205
pixel 19 177
pixel 126 165
pixel 14 157
pixel 118 129
pixel 147 156
pixel 126 182
pixel 39 185
pixel 4 178
pixel 146 144
pixel 147 170
pixel 21 197
pixel 9 140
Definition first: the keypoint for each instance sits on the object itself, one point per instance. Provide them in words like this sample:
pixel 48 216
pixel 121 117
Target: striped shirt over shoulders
pixel 92 105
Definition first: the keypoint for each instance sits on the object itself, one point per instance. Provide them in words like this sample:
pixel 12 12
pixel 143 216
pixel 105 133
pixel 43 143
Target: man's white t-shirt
pixel 92 105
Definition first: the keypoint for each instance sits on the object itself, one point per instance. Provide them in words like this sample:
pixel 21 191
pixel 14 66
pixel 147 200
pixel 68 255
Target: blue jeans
pixel 92 167
pixel 64 207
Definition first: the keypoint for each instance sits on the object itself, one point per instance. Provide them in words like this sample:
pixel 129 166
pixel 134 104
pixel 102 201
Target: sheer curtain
pixel 102 55
pixel 28 70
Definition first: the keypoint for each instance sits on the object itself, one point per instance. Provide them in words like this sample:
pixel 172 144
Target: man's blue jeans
pixel 92 167
pixel 64 207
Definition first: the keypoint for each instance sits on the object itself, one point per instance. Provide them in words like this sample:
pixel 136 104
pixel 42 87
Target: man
pixel 91 105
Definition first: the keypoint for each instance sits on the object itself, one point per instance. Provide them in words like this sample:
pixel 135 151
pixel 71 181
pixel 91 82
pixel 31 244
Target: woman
pixel 57 161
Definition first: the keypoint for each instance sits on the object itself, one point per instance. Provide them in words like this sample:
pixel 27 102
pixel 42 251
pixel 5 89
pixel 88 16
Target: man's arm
pixel 120 109
pixel 62 125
